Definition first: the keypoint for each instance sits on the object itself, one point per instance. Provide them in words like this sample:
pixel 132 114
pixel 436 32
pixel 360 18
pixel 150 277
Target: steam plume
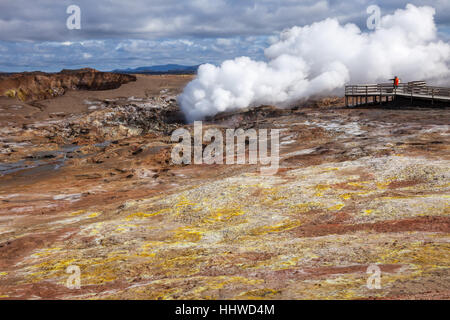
pixel 319 58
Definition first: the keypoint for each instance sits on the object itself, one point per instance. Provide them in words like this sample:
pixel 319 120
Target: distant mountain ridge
pixel 161 69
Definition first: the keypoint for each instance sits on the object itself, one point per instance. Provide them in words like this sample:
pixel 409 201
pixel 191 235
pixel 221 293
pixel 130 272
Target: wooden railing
pixel 415 87
pixel 411 89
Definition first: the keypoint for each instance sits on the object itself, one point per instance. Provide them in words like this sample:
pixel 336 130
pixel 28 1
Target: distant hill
pixel 161 69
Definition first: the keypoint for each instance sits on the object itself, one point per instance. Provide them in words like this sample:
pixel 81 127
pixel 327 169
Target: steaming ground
pixel 96 188
pixel 320 58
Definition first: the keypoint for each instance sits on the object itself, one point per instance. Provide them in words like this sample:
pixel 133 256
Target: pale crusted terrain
pixel 356 187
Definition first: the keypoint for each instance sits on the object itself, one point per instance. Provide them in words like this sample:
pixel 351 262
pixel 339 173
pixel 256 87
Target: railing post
pixel 353 96
pixel 366 96
pixel 381 96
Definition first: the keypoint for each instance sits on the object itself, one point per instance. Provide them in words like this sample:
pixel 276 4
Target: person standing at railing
pixel 395 82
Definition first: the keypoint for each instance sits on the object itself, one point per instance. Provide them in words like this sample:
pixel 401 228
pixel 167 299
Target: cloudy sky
pixel 120 34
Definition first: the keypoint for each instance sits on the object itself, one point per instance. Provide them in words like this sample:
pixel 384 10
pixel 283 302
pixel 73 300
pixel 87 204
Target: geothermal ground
pixel 86 179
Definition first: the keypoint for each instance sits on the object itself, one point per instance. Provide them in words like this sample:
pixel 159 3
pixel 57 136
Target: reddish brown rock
pixel 29 86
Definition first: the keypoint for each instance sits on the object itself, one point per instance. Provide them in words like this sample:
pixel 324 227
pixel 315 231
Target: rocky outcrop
pixel 356 188
pixel 30 86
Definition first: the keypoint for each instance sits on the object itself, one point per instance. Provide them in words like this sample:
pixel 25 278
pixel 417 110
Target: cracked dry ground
pixel 356 187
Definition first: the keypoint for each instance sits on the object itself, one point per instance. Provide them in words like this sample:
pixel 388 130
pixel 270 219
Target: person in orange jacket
pixel 396 82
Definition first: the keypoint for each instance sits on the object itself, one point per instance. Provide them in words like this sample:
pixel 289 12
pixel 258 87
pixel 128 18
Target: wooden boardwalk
pixel 365 94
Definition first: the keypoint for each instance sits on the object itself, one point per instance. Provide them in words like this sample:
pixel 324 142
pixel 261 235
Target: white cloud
pixel 121 33
pixel 44 20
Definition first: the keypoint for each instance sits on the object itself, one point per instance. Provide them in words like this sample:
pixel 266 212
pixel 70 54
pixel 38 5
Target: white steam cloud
pixel 320 58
